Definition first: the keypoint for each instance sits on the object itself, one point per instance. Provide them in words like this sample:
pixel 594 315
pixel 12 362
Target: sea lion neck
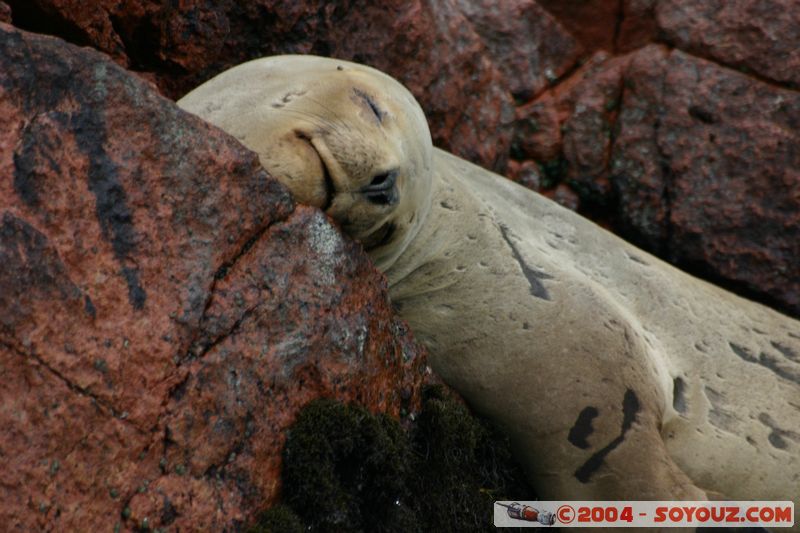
pixel 440 240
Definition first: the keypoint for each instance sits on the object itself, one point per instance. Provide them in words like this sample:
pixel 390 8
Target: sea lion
pixel 617 376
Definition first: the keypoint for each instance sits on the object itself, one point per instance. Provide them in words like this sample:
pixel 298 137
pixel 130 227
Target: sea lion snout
pixel 382 190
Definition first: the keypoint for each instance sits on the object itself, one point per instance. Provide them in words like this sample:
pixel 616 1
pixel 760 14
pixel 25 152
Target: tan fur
pixel 538 317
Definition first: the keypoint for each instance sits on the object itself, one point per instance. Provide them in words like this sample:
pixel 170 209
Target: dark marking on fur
pixel 777 437
pixel 777 441
pixel 389 233
pixel 679 395
pixel 379 113
pixel 780 368
pixel 700 348
pixel 786 351
pixel 718 415
pixel 582 428
pixel 287 98
pixel 537 289
pixel 637 259
pixel 630 408
pixel 743 352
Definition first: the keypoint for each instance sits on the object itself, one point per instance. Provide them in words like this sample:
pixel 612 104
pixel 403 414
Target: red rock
pixel 593 22
pixel 526 173
pixel 638 26
pixel 537 130
pixel 733 170
pixel 636 165
pixel 524 41
pixel 593 103
pixel 165 309
pixel 81 22
pixel 569 128
pixel 619 26
pixel 759 36
pixel 538 127
pixel 707 175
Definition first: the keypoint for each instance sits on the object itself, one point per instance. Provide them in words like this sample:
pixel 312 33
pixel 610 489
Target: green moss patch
pixel 346 469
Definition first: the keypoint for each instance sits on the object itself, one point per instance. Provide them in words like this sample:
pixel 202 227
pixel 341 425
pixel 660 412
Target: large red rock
pixel 706 168
pixel 165 308
pixel 524 41
pixel 730 143
pixel 758 36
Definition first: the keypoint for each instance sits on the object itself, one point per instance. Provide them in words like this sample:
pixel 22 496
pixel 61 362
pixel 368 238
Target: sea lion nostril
pixel 381 190
pixel 381 180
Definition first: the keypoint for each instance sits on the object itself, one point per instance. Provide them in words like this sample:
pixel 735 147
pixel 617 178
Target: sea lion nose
pixel 381 190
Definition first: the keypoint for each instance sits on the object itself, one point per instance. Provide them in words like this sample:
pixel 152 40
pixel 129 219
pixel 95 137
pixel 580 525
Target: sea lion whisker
pixel 327 109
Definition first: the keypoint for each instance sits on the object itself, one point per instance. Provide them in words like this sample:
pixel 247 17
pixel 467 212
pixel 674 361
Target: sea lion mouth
pixel 382 190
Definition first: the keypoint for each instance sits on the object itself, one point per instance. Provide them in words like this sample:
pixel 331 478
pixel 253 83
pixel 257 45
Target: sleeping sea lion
pixel 617 376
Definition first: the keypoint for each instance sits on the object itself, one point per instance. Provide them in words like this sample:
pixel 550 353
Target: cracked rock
pixel 165 308
pixel 755 36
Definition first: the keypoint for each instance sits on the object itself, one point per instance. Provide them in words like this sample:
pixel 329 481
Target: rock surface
pixel 722 188
pixel 165 309
pixel 593 22
pixel 755 36
pixel 530 64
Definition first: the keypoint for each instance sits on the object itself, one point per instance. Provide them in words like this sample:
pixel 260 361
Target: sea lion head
pixel 341 136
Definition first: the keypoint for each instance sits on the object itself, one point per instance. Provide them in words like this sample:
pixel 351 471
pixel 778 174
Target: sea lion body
pixel 624 377
pixel 616 375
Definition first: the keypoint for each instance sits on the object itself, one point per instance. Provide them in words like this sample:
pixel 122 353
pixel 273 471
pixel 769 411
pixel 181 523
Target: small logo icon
pixel 527 513
pixel 566 514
